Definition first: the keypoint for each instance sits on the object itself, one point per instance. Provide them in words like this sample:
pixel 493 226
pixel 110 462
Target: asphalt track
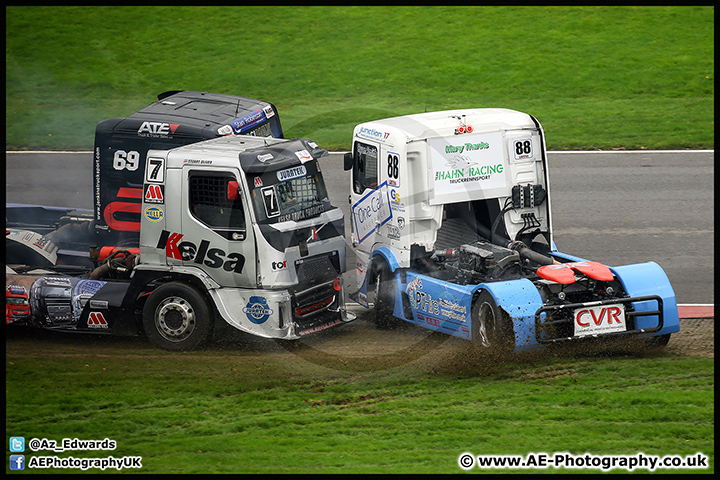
pixel 618 207
pixel 613 207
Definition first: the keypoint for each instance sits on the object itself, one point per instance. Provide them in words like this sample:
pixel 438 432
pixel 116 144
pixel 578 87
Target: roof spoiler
pixel 168 93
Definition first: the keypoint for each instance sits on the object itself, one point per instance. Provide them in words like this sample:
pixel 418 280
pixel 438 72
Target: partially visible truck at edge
pixel 452 229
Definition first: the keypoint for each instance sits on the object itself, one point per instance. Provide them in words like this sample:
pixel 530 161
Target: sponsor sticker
pixel 154 194
pixel 268 111
pixel 371 211
pixel 97 320
pixel 303 156
pixel 154 214
pixel 293 172
pixel 257 310
pixel 599 320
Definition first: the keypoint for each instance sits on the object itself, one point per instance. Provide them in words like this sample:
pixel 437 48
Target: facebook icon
pixel 17 462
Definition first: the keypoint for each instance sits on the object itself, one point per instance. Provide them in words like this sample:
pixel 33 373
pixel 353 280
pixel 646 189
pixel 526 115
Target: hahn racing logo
pixel 201 254
pixel 257 310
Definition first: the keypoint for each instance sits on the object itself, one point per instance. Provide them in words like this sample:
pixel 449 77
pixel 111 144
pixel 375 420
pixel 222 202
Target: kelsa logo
pixel 202 254
pixel 154 214
pixel 157 128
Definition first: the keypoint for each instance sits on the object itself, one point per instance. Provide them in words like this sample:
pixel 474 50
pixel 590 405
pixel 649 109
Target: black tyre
pixel 491 326
pixel 176 317
pixel 384 297
pixel 653 343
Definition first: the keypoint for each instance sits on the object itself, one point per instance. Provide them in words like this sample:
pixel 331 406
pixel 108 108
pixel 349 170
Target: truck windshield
pixel 295 193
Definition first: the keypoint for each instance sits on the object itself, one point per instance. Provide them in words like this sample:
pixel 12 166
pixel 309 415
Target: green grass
pixel 237 411
pixel 595 77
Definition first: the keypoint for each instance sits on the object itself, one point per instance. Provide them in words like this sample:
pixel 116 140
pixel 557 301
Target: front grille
pixel 312 308
pixel 315 306
pixel 318 269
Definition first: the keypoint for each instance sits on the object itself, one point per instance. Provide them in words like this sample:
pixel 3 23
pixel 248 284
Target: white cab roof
pixel 433 124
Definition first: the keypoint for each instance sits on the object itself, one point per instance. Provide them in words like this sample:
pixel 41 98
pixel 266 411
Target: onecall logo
pixel 154 214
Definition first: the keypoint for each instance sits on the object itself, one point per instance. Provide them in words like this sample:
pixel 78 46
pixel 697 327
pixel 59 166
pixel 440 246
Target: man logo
pixel 96 320
pixel 154 194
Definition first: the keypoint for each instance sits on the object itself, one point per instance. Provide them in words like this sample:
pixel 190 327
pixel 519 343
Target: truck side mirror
pixel 348 161
pixel 232 190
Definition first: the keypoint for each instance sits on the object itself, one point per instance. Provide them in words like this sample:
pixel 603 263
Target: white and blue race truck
pixel 452 229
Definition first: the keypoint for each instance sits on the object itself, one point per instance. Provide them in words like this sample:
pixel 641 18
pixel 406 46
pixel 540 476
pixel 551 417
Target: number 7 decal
pixel 155 172
pixel 271 206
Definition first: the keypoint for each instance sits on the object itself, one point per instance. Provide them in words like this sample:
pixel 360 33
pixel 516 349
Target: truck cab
pixel 452 229
pixel 251 217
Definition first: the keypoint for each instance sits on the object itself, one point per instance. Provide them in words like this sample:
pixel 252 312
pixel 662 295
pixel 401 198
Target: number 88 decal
pixel 523 148
pixel 393 166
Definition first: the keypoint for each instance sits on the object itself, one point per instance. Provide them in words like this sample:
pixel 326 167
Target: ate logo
pixel 157 128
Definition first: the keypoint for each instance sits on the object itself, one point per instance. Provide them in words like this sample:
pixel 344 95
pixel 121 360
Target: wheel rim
pixel 175 319
pixel 486 319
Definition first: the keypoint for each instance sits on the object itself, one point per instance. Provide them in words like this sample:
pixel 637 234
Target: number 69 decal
pixel 155 170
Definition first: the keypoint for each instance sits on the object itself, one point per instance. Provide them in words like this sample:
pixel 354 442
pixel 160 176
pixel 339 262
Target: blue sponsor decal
pixel 87 287
pixel 257 310
pixel 249 121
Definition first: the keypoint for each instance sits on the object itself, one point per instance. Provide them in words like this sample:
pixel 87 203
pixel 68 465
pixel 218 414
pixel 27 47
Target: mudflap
pixel 646 279
pixel 520 299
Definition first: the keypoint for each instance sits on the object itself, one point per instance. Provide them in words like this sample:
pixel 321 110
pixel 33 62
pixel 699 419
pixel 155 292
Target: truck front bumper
pixel 283 314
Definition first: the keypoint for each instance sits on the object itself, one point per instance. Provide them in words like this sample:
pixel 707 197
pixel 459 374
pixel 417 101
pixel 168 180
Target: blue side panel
pixel 650 279
pixel 446 307
pixel 437 305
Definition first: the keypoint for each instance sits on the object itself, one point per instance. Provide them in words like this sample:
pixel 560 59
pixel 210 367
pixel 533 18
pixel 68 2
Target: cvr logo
pixel 200 254
pixel 598 316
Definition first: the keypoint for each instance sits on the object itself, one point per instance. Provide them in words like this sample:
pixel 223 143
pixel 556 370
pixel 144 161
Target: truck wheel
pixel 176 317
pixel 384 297
pixel 491 327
